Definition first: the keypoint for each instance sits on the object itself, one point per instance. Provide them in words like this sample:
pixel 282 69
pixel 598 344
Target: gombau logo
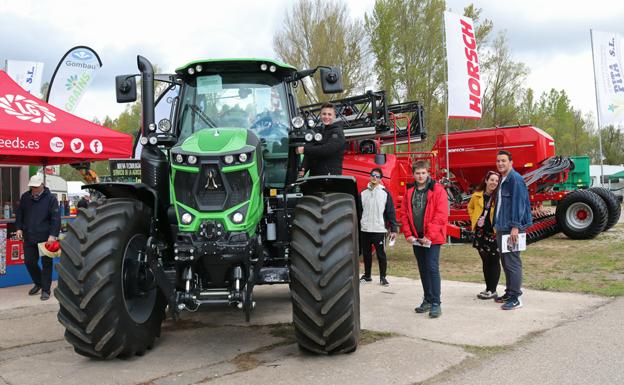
pixel 82 55
pixel 26 109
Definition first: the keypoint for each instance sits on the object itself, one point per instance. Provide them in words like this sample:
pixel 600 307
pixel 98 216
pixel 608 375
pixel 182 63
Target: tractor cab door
pixel 166 101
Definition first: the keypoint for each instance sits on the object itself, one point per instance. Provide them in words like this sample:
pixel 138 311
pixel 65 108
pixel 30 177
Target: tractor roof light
pixel 263 67
pixel 190 71
pixel 272 68
pixel 192 159
pixel 228 159
pixel 297 122
pixel 199 68
pixel 187 218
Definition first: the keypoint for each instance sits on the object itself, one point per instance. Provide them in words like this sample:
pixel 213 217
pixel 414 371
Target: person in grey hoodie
pixel 377 212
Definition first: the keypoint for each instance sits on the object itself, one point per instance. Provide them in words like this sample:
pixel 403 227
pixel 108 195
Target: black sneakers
pixel 506 297
pixel 35 290
pixel 435 311
pixel 423 308
pixel 383 281
pixel 364 279
pixel 513 303
pixel 45 296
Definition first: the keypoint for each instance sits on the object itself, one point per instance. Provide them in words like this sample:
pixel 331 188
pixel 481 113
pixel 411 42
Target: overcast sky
pixel 550 37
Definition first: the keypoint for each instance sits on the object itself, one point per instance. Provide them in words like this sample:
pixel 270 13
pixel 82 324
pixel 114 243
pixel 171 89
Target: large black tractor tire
pixel 108 305
pixel 613 205
pixel 581 215
pixel 324 274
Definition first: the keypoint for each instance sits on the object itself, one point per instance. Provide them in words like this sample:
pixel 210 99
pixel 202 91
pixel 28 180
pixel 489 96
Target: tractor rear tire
pixel 104 314
pixel 324 274
pixel 613 205
pixel 581 215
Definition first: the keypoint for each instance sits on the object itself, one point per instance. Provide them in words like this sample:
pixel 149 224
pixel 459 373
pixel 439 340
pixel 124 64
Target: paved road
pixel 588 350
pixel 217 347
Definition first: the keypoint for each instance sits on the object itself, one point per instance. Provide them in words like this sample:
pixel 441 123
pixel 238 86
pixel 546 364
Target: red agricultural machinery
pixel 385 136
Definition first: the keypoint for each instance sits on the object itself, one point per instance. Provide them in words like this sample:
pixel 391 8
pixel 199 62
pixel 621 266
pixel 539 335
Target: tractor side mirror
pixel 125 88
pixel 331 80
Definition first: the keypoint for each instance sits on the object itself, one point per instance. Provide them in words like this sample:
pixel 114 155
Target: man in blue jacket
pixel 38 220
pixel 512 215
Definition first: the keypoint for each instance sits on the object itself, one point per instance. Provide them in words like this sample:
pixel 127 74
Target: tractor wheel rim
pixel 579 215
pixel 139 304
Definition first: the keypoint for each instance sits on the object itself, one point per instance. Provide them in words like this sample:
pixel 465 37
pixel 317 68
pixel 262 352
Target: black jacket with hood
pixel 325 157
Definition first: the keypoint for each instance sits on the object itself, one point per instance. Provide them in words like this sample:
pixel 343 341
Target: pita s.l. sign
pixel 608 60
pixel 464 78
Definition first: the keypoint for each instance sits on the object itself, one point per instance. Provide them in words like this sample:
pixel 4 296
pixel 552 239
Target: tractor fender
pixel 332 184
pixel 138 191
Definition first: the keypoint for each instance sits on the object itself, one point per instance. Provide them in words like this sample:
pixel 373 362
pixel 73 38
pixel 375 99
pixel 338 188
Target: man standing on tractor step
pixel 38 220
pixel 377 211
pixel 512 215
pixel 325 156
pixel 424 216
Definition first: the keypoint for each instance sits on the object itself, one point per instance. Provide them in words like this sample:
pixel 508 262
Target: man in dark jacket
pixel 512 216
pixel 324 157
pixel 38 220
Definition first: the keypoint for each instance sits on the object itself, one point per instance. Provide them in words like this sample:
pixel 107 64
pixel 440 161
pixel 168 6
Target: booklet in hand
pixel 507 246
pixel 426 244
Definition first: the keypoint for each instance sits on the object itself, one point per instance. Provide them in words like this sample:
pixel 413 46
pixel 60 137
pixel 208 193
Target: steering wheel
pixel 266 127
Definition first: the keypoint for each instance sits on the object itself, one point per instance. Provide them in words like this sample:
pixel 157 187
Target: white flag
pixel 73 75
pixel 609 74
pixel 27 74
pixel 464 79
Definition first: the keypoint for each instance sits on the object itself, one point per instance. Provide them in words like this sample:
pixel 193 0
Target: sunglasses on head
pixel 375 175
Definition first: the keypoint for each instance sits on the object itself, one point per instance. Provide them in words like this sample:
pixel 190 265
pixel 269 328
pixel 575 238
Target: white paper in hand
pixel 507 247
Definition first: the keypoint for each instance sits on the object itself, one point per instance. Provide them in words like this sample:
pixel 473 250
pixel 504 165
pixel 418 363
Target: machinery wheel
pixel 581 215
pixel 613 205
pixel 324 274
pixel 109 304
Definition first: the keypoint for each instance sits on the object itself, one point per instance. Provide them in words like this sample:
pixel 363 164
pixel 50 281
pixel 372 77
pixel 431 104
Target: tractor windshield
pixel 256 101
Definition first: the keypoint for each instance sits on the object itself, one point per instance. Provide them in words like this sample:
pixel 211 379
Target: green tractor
pixel 220 209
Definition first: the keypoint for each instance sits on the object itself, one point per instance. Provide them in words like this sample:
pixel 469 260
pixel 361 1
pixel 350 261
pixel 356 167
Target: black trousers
pixel 376 239
pixel 491 268
pixel 40 277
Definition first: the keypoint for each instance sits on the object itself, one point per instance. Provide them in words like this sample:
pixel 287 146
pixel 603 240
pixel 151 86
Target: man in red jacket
pixel 424 215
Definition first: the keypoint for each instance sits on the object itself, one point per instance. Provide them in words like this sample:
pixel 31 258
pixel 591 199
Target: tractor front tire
pixel 613 205
pixel 324 274
pixel 581 215
pixel 105 310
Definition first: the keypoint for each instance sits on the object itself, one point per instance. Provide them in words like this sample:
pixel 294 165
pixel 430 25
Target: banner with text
pixel 27 74
pixel 464 80
pixel 608 60
pixel 72 76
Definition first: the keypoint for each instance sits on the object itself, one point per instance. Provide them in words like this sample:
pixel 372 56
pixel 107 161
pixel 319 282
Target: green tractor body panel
pixel 210 147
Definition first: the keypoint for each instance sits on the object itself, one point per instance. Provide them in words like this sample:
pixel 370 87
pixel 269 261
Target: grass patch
pixel 557 263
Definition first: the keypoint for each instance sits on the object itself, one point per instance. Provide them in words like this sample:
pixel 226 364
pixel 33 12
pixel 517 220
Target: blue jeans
pixel 512 266
pixel 429 268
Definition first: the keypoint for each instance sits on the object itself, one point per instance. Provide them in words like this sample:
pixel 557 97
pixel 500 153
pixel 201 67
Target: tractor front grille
pixel 211 189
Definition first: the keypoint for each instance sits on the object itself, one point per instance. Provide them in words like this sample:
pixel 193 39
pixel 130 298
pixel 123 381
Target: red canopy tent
pixel 34 132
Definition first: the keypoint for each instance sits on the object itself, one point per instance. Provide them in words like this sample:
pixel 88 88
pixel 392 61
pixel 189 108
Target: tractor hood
pixel 219 141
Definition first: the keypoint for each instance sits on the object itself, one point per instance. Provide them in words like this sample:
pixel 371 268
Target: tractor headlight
pixel 187 218
pixel 272 68
pixel 243 158
pixel 153 140
pixel 179 158
pixel 228 159
pixel 308 137
pixel 310 123
pixel 192 159
pixel 263 67
pixel 318 136
pixel 297 122
pixel 199 68
pixel 143 140
pixel 237 217
pixel 190 71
